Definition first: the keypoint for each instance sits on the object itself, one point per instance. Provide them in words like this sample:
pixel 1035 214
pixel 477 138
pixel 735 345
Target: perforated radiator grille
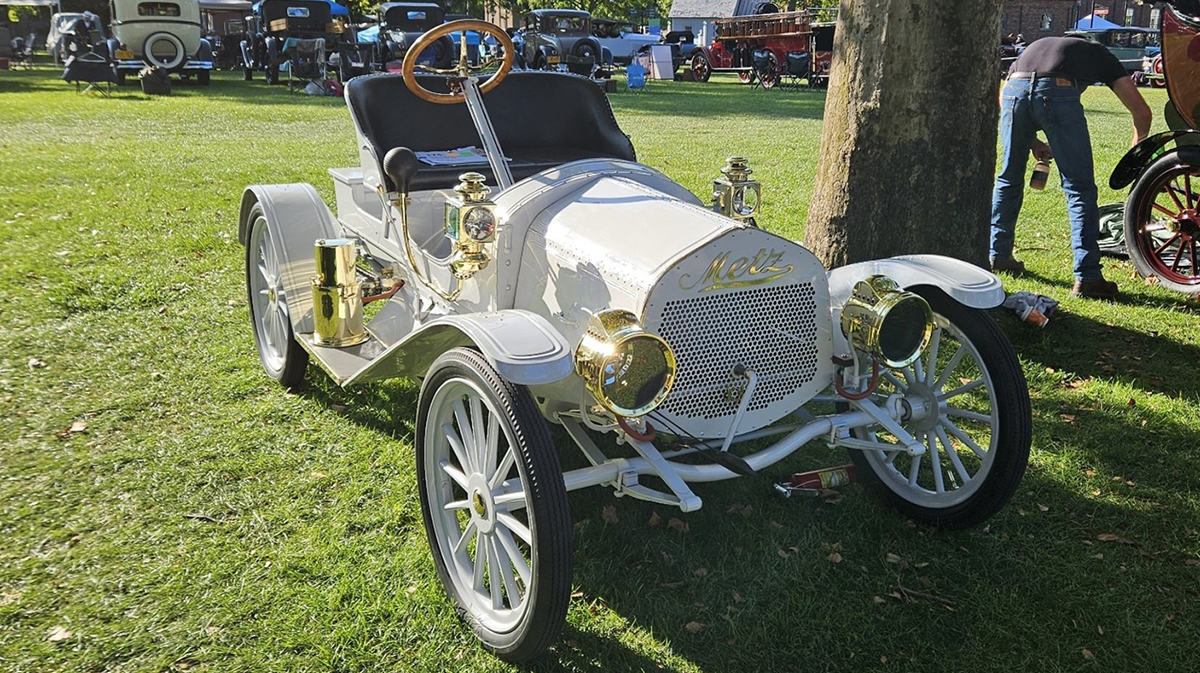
pixel 770 330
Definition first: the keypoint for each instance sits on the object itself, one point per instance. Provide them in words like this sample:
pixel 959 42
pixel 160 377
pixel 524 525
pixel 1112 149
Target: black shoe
pixel 1011 265
pixel 1095 289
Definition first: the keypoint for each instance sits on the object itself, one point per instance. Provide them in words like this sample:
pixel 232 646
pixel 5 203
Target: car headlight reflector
pixel 887 322
pixel 627 369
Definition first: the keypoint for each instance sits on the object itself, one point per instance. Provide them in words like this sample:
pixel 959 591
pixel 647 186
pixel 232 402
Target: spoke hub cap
pixel 483 506
pixel 924 406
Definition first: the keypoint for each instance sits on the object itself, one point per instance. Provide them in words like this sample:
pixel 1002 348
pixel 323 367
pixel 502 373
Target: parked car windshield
pixel 158 9
pixel 565 24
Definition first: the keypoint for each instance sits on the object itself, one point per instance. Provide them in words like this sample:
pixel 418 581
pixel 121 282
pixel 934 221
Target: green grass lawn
pixel 165 506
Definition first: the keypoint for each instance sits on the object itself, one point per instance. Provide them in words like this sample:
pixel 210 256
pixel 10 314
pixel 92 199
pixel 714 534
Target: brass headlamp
pixel 887 322
pixel 471 224
pixel 629 370
pixel 735 195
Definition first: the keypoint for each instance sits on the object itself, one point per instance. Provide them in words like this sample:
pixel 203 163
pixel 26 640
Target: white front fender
pixel 964 282
pixel 523 347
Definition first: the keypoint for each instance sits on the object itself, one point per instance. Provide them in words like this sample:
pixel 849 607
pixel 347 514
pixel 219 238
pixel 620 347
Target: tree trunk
pixel 908 150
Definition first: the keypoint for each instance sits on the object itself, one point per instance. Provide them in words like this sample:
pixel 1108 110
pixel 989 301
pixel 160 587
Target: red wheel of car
pixel 745 76
pixel 700 68
pixel 1162 221
pixel 1157 65
pixel 771 77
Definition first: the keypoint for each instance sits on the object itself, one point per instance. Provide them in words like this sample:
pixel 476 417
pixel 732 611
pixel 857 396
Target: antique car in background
pixel 559 281
pixel 622 39
pixel 273 24
pixel 1128 43
pixel 1162 212
pixel 551 38
pixel 161 33
pixel 796 45
pixel 402 23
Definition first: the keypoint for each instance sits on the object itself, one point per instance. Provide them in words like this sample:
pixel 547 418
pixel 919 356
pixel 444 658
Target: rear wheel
pixel 1162 221
pixel 700 68
pixel 494 505
pixel 770 77
pixel 745 76
pixel 977 435
pixel 282 357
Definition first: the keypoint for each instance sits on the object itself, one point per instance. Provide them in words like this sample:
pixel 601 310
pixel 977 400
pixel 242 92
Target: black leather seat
pixel 542 120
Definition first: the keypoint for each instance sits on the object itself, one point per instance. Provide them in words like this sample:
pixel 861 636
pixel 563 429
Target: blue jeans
pixel 1050 106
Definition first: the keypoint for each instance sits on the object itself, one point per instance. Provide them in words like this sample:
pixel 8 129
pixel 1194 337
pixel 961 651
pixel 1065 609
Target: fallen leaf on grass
pixel 893 558
pixel 7 598
pixel 737 598
pixel 700 572
pixel 1099 629
pixel 58 633
pixel 36 363
pixel 412 589
pixel 883 658
pixel 1089 473
pixel 695 627
pixel 1068 418
pixel 744 510
pixel 609 514
pixel 834 558
pixel 676 524
pixel 1043 508
pixel 783 553
pixel 1087 654
pixel 655 520
pixel 922 564
pixel 668 559
pixel 576 594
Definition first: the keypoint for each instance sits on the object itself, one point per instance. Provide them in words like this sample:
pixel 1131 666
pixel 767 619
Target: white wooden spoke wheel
pixel 494 504
pixel 281 357
pixel 977 437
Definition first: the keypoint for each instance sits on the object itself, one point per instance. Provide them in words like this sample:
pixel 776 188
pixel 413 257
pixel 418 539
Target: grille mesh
pixel 769 330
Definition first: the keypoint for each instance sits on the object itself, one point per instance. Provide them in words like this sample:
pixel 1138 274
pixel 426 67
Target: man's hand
pixel 1041 151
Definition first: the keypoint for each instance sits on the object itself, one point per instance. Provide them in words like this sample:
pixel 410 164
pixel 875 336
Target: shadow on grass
pixel 723 99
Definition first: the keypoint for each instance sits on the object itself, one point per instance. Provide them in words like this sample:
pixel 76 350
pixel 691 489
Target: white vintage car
pixel 161 33
pixel 670 339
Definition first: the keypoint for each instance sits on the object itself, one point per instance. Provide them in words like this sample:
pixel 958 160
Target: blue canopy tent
pixel 1093 23
pixel 334 8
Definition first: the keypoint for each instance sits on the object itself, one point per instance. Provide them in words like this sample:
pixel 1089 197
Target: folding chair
pixel 93 70
pixel 354 60
pixel 635 76
pixel 306 63
pixel 22 49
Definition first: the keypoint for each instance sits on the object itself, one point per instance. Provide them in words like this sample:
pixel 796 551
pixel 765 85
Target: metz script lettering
pixel 725 273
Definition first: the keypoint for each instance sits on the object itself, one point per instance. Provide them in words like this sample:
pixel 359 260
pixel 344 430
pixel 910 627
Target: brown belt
pixel 1061 78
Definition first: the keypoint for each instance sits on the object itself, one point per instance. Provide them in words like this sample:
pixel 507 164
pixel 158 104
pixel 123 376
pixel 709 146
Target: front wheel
pixel 281 355
pixel 1162 221
pixel 978 430
pixel 494 504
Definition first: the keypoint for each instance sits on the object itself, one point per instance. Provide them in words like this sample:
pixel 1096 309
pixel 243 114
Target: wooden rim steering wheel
pixel 464 68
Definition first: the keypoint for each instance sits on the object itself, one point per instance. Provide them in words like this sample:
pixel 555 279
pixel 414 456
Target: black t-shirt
pixel 1088 62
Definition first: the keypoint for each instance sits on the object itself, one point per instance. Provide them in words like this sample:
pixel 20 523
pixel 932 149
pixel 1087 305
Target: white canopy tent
pixel 224 5
pixel 56 4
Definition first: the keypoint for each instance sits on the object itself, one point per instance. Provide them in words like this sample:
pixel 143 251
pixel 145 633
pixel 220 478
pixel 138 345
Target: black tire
pixel 203 77
pixel 1172 261
pixel 547 512
pixel 701 70
pixel 289 370
pixel 1014 427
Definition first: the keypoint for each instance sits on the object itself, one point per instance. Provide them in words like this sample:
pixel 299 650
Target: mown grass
pixel 201 518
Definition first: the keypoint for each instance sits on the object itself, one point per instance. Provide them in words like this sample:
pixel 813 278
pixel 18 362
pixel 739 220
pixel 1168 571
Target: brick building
pixel 1042 18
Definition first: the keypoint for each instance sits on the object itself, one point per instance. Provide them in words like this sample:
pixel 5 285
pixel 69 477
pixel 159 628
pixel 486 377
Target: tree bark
pixel 908 150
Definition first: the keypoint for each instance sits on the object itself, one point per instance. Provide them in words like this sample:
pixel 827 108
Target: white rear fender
pixel 297 218
pixel 964 282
